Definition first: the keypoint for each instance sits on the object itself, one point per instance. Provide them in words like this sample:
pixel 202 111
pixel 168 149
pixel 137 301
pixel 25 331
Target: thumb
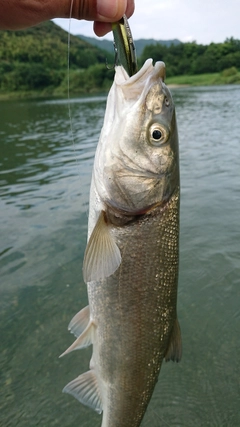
pixel 99 10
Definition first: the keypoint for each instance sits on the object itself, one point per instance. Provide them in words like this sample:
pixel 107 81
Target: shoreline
pixel 185 81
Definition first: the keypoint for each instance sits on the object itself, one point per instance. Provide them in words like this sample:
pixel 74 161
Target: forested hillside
pixel 140 44
pixel 34 61
pixel 193 58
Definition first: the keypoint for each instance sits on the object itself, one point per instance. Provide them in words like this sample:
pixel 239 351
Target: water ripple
pixel 44 187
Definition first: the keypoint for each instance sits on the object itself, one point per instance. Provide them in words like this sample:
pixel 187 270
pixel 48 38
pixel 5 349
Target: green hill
pixel 36 59
pixel 35 62
pixel 194 59
pixel 140 44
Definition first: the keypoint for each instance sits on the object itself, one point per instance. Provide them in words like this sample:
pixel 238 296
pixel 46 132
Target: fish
pixel 132 254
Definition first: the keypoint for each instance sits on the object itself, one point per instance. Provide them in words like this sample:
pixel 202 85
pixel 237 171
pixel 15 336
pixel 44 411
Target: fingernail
pixel 107 8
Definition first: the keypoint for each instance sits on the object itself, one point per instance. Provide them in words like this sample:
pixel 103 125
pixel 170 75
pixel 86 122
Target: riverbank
pixel 229 76
pixel 18 95
pixel 226 77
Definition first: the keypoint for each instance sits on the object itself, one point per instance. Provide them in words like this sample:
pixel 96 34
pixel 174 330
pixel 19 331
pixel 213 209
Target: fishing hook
pixel 115 58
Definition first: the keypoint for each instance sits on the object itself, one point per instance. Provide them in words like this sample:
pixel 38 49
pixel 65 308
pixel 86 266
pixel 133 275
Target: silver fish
pixel 131 259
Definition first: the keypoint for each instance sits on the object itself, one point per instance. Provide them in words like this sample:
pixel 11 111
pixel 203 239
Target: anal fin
pixel 174 350
pixel 85 388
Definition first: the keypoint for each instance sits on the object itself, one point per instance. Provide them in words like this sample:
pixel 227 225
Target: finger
pixel 130 8
pixel 101 28
pixel 99 10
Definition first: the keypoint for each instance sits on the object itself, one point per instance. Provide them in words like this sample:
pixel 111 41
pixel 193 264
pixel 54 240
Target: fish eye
pixel 158 135
pixel 167 103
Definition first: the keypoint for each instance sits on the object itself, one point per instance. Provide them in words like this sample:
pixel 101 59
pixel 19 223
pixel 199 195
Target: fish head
pixel 136 165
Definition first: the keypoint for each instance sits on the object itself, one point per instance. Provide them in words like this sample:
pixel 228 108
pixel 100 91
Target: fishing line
pixel 68 97
pixel 68 81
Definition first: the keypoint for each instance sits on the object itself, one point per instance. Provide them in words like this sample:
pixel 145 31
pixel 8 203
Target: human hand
pixel 102 12
pixel 18 14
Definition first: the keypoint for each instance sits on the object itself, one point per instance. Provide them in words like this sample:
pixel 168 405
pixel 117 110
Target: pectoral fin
pixel 174 351
pixel 102 256
pixel 85 339
pixel 85 389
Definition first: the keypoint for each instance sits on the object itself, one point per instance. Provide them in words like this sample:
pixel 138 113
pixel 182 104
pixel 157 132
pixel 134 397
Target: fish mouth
pixel 133 87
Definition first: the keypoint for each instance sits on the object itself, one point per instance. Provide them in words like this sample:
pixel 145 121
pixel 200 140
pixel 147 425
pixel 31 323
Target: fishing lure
pixel 124 46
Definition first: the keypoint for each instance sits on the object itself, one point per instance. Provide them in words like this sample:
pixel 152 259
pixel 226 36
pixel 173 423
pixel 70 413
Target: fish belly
pixel 134 311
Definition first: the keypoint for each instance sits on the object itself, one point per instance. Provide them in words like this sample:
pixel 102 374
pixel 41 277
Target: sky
pixel 203 21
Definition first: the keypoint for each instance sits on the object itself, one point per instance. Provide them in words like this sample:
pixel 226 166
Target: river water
pixel 44 187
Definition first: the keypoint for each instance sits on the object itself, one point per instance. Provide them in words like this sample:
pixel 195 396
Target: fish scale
pixel 133 348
